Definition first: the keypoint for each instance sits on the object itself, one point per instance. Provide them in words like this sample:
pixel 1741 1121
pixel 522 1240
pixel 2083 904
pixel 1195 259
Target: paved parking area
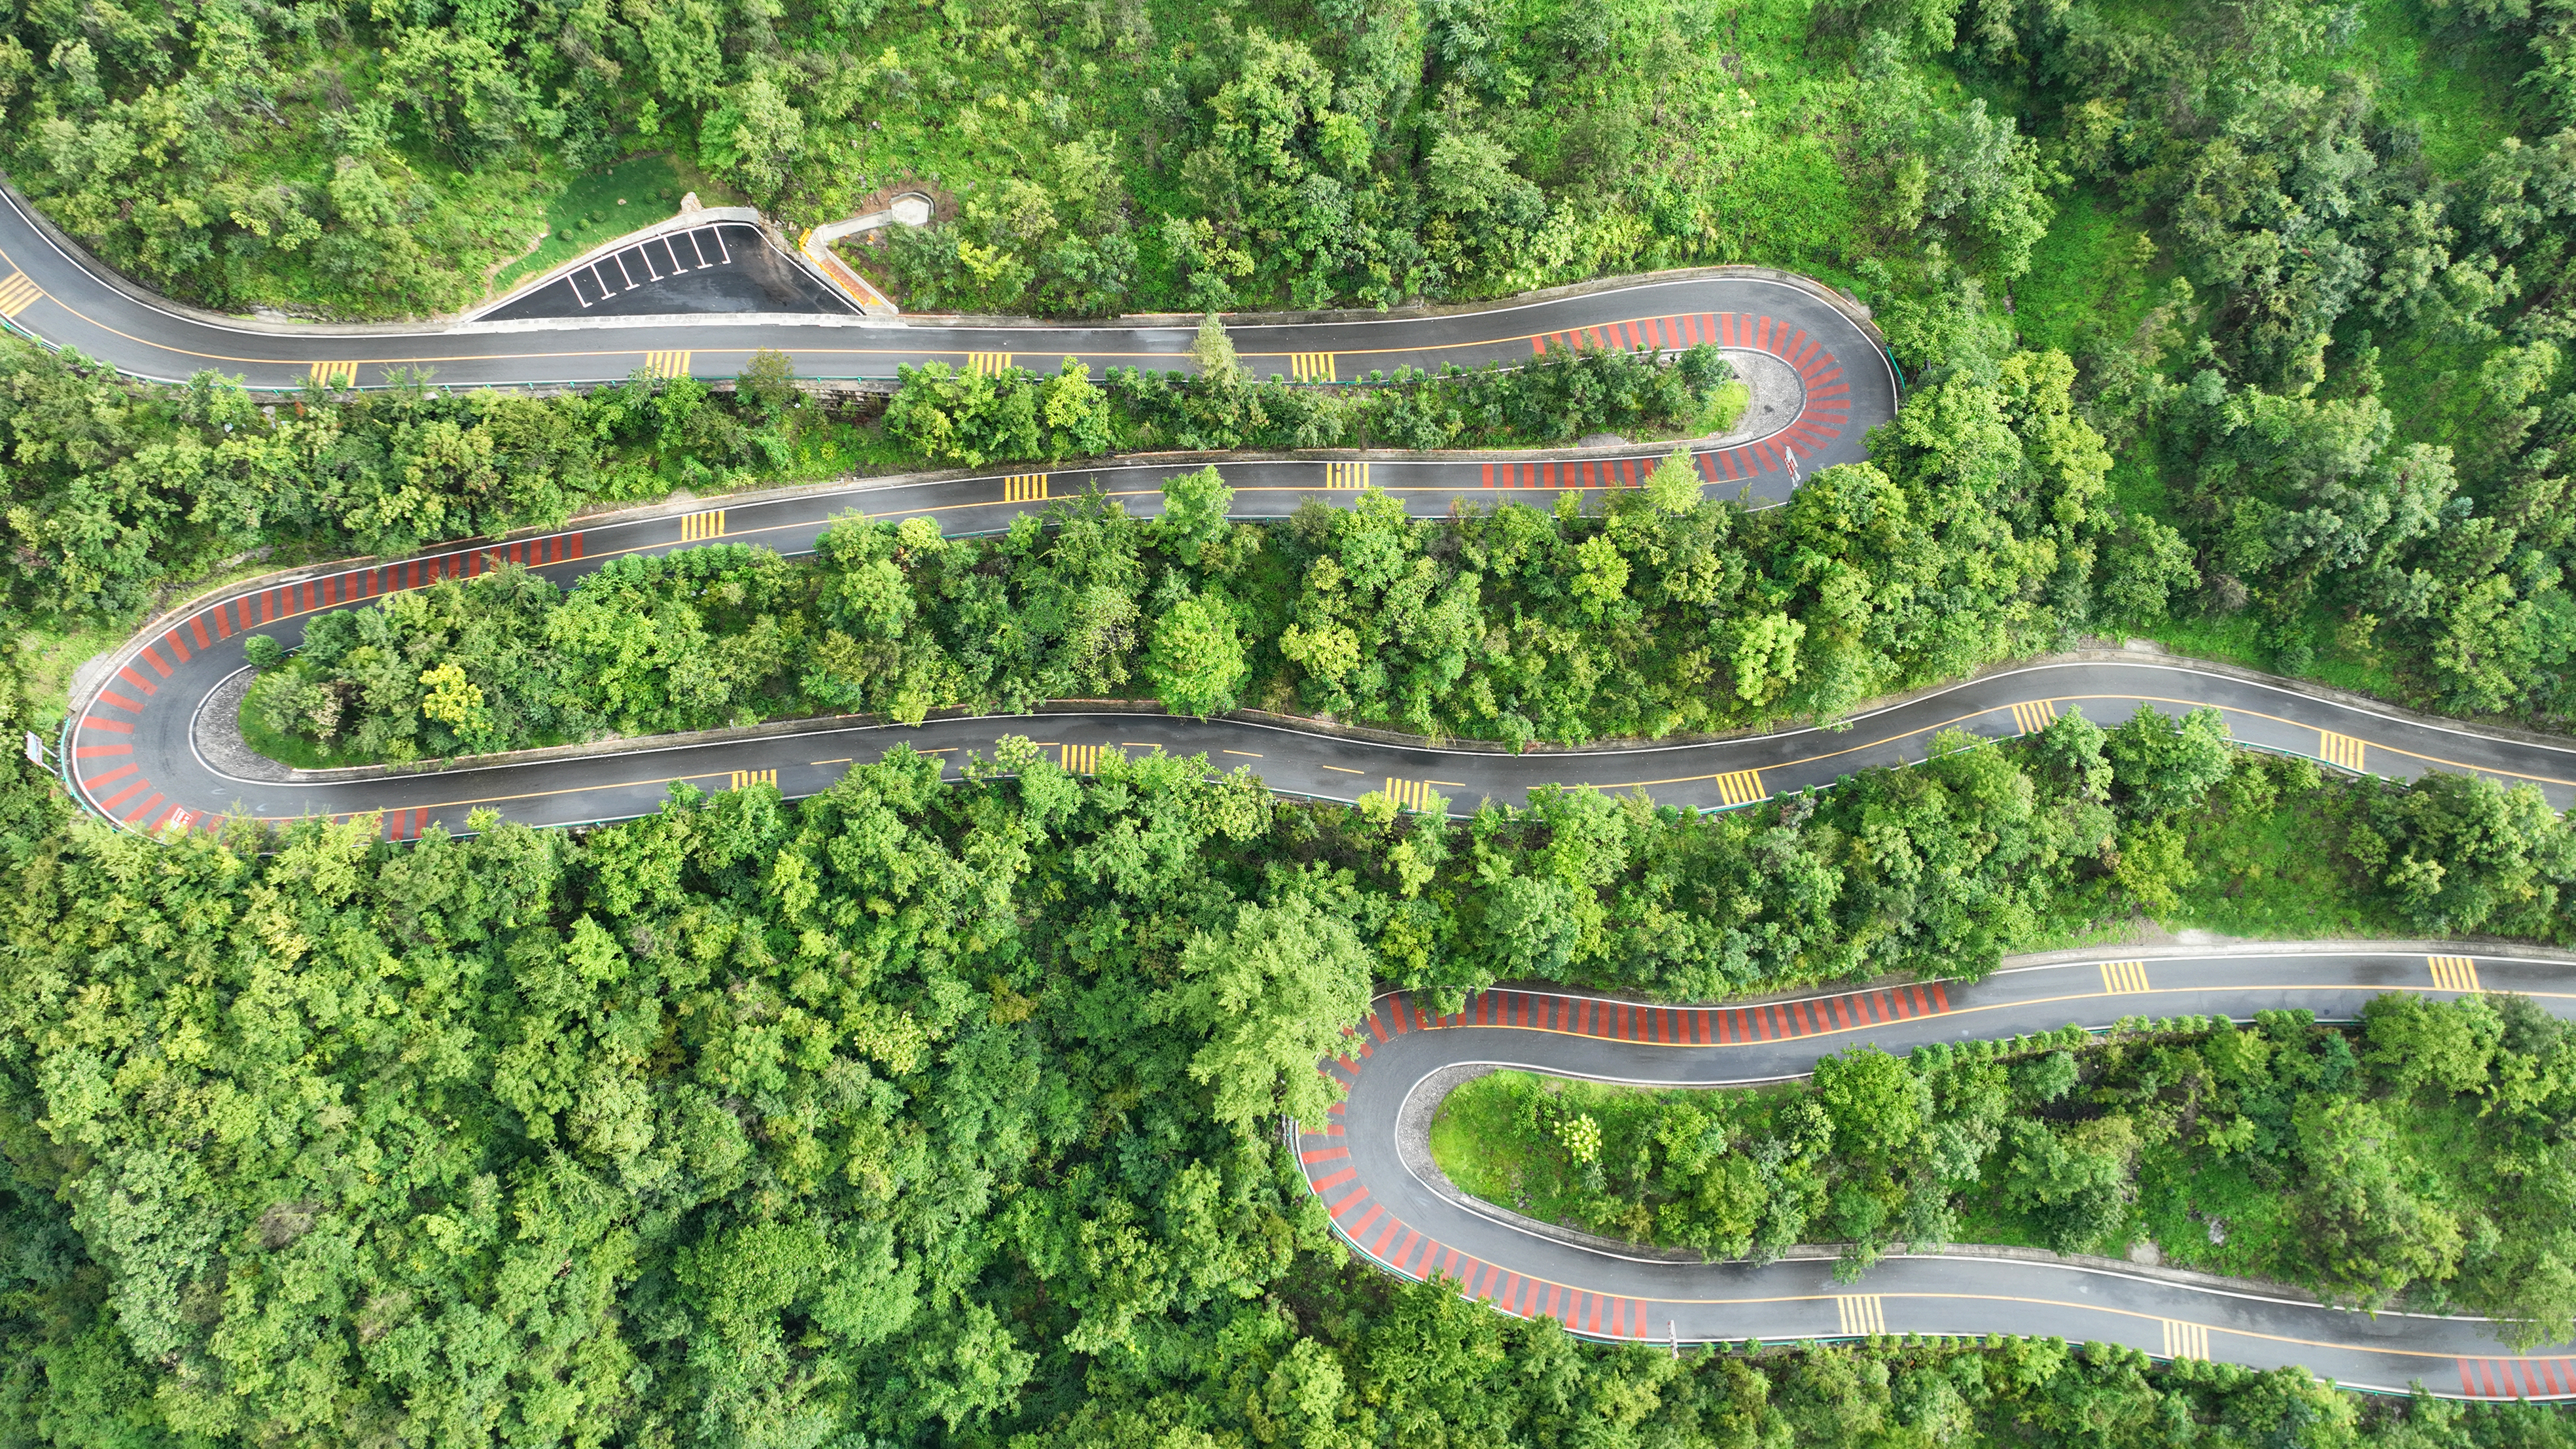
pixel 721 267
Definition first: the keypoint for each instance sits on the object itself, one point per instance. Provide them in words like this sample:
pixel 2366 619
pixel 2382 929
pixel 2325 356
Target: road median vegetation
pixel 2387 1163
pixel 958 416
pixel 1658 612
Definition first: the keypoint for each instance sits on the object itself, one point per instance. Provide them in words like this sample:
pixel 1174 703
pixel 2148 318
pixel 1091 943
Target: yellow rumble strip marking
pixel 336 374
pixel 2185 1340
pixel 1082 759
pixel 1741 787
pixel 2454 973
pixel 2341 751
pixel 1311 367
pixel 1414 794
pixel 699 527
pixel 1862 1315
pixel 666 364
pixel 2034 716
pixel 745 779
pixel 2124 978
pixel 1346 475
pixel 985 364
pixel 1024 488
pixel 18 292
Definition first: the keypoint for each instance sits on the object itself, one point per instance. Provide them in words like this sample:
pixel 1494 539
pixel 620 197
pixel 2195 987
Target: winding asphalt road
pixel 51 291
pixel 134 746
pixel 1403 1215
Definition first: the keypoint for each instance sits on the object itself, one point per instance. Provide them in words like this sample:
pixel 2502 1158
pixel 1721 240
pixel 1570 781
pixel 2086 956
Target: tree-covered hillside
pixel 2308 260
pixel 915 1114
pixel 930 1115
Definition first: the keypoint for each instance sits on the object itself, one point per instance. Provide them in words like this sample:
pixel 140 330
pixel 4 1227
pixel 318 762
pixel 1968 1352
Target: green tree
pixel 1196 661
pixel 1877 1106
pixel 1076 413
pixel 754 138
pixel 2149 564
pixel 2461 853
pixel 1674 486
pixel 1270 995
pixel 1195 507
pixel 2160 764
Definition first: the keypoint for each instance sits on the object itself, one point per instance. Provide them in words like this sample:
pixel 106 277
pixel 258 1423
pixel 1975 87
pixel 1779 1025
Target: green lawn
pixel 598 205
pixel 1475 1141
pixel 2455 83
pixel 46 658
pixel 2093 276
pixel 289 750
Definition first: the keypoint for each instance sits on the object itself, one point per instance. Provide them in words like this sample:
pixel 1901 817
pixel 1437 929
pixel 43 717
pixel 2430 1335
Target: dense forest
pixel 943 414
pixel 698 1129
pixel 117 488
pixel 1937 869
pixel 941 1114
pixel 923 1115
pixel 2378 1166
pixel 1644 618
pixel 2308 261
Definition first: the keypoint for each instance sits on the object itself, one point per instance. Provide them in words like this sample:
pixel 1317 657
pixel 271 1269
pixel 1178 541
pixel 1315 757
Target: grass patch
pixel 1726 408
pixel 46 659
pixel 2272 874
pixel 287 750
pixel 1475 1141
pixel 2091 277
pixel 1492 1143
pixel 2229 639
pixel 595 207
pixel 2458 88
pixel 2266 862
pixel 836 449
pixel 2238 639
